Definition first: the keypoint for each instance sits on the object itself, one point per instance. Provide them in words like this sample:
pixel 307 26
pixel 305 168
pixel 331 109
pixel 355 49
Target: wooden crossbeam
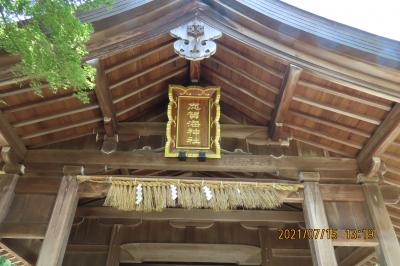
pixel 384 135
pixel 157 161
pixel 11 137
pixel 283 100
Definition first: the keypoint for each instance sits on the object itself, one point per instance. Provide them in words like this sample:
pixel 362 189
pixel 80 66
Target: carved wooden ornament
pixel 195 40
pixel 193 122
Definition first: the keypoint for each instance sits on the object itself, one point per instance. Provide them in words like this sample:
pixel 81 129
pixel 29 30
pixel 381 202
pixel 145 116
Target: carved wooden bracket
pixel 195 40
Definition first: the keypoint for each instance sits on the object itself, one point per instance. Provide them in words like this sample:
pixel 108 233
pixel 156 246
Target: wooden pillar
pixel 322 250
pixel 9 180
pixel 389 249
pixel 57 234
pixel 7 186
pixel 114 246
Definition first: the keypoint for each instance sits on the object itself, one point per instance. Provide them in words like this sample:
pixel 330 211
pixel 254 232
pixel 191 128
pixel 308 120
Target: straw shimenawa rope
pixel 157 193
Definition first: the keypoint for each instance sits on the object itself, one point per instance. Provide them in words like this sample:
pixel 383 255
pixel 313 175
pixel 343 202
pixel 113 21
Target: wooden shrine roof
pixel 345 100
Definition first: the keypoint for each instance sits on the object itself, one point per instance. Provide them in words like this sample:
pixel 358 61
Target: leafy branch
pixel 50 41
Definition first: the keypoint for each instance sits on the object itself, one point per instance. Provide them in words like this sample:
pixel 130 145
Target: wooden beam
pixel 195 70
pixel 11 137
pixel 198 215
pixel 7 187
pixel 322 250
pixel 254 133
pixel 283 100
pixel 388 243
pixel 56 239
pixel 104 98
pixel 384 135
pixel 157 161
pixel 114 246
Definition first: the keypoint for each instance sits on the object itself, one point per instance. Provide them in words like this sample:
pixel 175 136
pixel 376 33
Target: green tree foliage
pixel 5 262
pixel 50 41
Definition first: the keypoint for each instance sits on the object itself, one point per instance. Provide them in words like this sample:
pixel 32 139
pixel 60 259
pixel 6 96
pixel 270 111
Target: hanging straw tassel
pixel 192 194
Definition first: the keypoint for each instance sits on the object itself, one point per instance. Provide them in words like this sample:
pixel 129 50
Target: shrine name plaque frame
pixel 193 121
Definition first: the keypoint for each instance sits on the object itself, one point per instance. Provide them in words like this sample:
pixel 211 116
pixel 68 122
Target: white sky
pixel 380 17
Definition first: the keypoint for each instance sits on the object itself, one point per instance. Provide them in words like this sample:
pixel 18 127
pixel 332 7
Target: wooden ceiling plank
pixel 141 103
pixel 329 123
pixel 145 87
pixel 264 116
pixel 336 110
pixel 142 73
pixel 38 103
pixel 318 133
pixel 346 96
pixel 13 91
pixel 235 54
pixel 242 90
pixel 157 161
pixel 11 137
pixel 384 135
pixel 139 57
pixel 283 100
pixel 61 128
pixel 249 77
pixel 104 99
pixel 54 116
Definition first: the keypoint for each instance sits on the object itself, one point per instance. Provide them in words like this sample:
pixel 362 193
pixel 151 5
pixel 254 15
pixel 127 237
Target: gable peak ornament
pixel 195 40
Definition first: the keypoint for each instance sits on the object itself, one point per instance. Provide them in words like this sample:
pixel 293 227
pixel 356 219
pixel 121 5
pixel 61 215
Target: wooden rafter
pixel 283 100
pixel 104 99
pixel 384 135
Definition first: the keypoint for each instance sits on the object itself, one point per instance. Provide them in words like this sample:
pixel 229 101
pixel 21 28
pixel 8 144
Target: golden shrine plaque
pixel 193 122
